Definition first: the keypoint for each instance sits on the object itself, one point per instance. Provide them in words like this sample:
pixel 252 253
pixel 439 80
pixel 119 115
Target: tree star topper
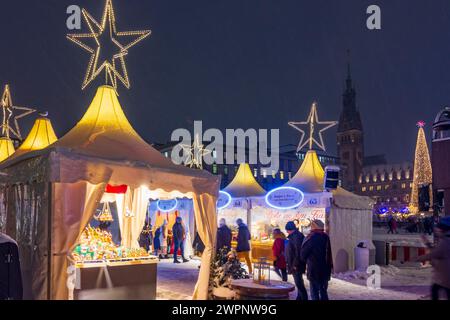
pixel 312 123
pixel 195 153
pixel 108 26
pixel 8 112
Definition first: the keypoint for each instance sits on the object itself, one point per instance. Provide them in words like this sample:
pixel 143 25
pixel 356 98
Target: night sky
pixel 243 64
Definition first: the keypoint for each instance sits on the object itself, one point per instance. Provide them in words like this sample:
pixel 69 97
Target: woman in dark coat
pixel 146 237
pixel 278 251
pixel 224 237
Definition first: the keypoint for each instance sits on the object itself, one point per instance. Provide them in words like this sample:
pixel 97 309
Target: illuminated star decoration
pixel 8 112
pixel 196 153
pixel 108 24
pixel 421 124
pixel 312 123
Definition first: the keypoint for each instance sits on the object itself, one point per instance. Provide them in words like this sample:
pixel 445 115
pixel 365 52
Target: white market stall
pixel 49 196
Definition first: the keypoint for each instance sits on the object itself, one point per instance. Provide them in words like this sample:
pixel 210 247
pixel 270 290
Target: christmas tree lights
pixel 422 169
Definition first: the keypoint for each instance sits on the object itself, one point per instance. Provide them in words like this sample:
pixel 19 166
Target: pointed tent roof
pixel 310 176
pixel 105 132
pixel 103 146
pixel 40 137
pixel 244 184
pixel 6 148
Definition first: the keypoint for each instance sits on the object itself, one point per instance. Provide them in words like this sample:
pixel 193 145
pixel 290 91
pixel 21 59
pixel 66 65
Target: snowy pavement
pixel 177 282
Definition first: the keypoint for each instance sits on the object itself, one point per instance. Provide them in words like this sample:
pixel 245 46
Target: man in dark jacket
pixel 243 244
pixel 10 273
pixel 224 237
pixel 316 251
pixel 295 265
pixel 179 234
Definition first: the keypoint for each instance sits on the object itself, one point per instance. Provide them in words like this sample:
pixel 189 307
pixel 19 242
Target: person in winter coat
pixel 243 244
pixel 316 251
pixel 179 235
pixel 160 241
pixel 295 264
pixel 440 259
pixel 146 237
pixel 278 251
pixel 224 236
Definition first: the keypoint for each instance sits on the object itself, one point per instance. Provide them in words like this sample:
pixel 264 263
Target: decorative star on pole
pixel 312 124
pixel 8 109
pixel 421 124
pixel 196 152
pixel 122 40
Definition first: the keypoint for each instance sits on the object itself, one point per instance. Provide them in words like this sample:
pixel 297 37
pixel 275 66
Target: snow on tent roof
pixel 244 184
pixel 310 176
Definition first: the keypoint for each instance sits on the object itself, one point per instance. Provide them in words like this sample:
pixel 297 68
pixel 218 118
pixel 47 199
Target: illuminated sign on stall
pixel 285 198
pixel 224 200
pixel 167 205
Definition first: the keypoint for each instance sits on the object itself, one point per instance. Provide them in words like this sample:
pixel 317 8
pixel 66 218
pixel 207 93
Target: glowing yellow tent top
pixel 244 184
pixel 40 137
pixel 6 148
pixel 310 176
pixel 105 132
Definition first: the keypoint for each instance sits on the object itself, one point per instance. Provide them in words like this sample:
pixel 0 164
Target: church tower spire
pixel 350 138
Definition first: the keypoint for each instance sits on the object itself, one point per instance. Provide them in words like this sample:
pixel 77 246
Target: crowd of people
pixel 293 254
pixel 163 240
pixel 412 224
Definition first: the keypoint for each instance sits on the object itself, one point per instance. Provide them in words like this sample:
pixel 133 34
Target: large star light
pixel 122 41
pixel 315 128
pixel 195 153
pixel 8 109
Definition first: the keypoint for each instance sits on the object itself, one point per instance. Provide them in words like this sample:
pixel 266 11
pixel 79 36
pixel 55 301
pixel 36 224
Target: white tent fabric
pixel 102 149
pixel 350 222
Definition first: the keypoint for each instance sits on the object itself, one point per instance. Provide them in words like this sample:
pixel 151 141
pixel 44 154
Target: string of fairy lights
pixel 108 24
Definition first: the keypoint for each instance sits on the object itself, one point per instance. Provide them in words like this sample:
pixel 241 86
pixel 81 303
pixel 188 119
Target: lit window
pixel 364 189
pixel 255 173
pixel 407 174
pixel 403 185
pixel 379 188
pixel 391 176
pixel 214 168
pixel 383 177
pixel 411 185
pixel 368 178
pixel 399 175
pixel 214 154
pixel 264 173
pixel 282 175
pixel 371 188
pixel 386 187
pixel 375 178
pixel 166 154
pixel 360 179
pixel 274 174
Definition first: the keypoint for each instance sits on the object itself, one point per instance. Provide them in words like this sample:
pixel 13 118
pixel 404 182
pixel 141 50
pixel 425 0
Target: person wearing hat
pixel 243 244
pixel 440 259
pixel 316 251
pixel 295 265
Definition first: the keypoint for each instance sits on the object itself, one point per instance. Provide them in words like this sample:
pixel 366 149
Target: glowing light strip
pixel 230 199
pixel 165 210
pixel 285 208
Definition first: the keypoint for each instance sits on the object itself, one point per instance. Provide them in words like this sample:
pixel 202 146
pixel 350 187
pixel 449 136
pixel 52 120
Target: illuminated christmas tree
pixel 422 169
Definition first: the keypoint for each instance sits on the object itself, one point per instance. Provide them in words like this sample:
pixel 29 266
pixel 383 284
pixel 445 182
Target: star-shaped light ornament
pixel 123 41
pixel 9 110
pixel 315 128
pixel 195 154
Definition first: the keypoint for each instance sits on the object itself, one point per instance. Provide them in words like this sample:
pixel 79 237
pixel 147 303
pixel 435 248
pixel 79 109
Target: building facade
pixel 350 139
pixel 390 185
pixel 290 162
pixel 441 161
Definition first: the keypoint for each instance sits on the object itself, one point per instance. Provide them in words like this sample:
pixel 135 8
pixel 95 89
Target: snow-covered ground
pixel 177 282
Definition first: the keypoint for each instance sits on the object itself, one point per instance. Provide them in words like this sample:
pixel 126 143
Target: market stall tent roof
pixel 6 148
pixel 347 200
pixel 244 184
pixel 40 137
pixel 310 176
pixel 104 143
